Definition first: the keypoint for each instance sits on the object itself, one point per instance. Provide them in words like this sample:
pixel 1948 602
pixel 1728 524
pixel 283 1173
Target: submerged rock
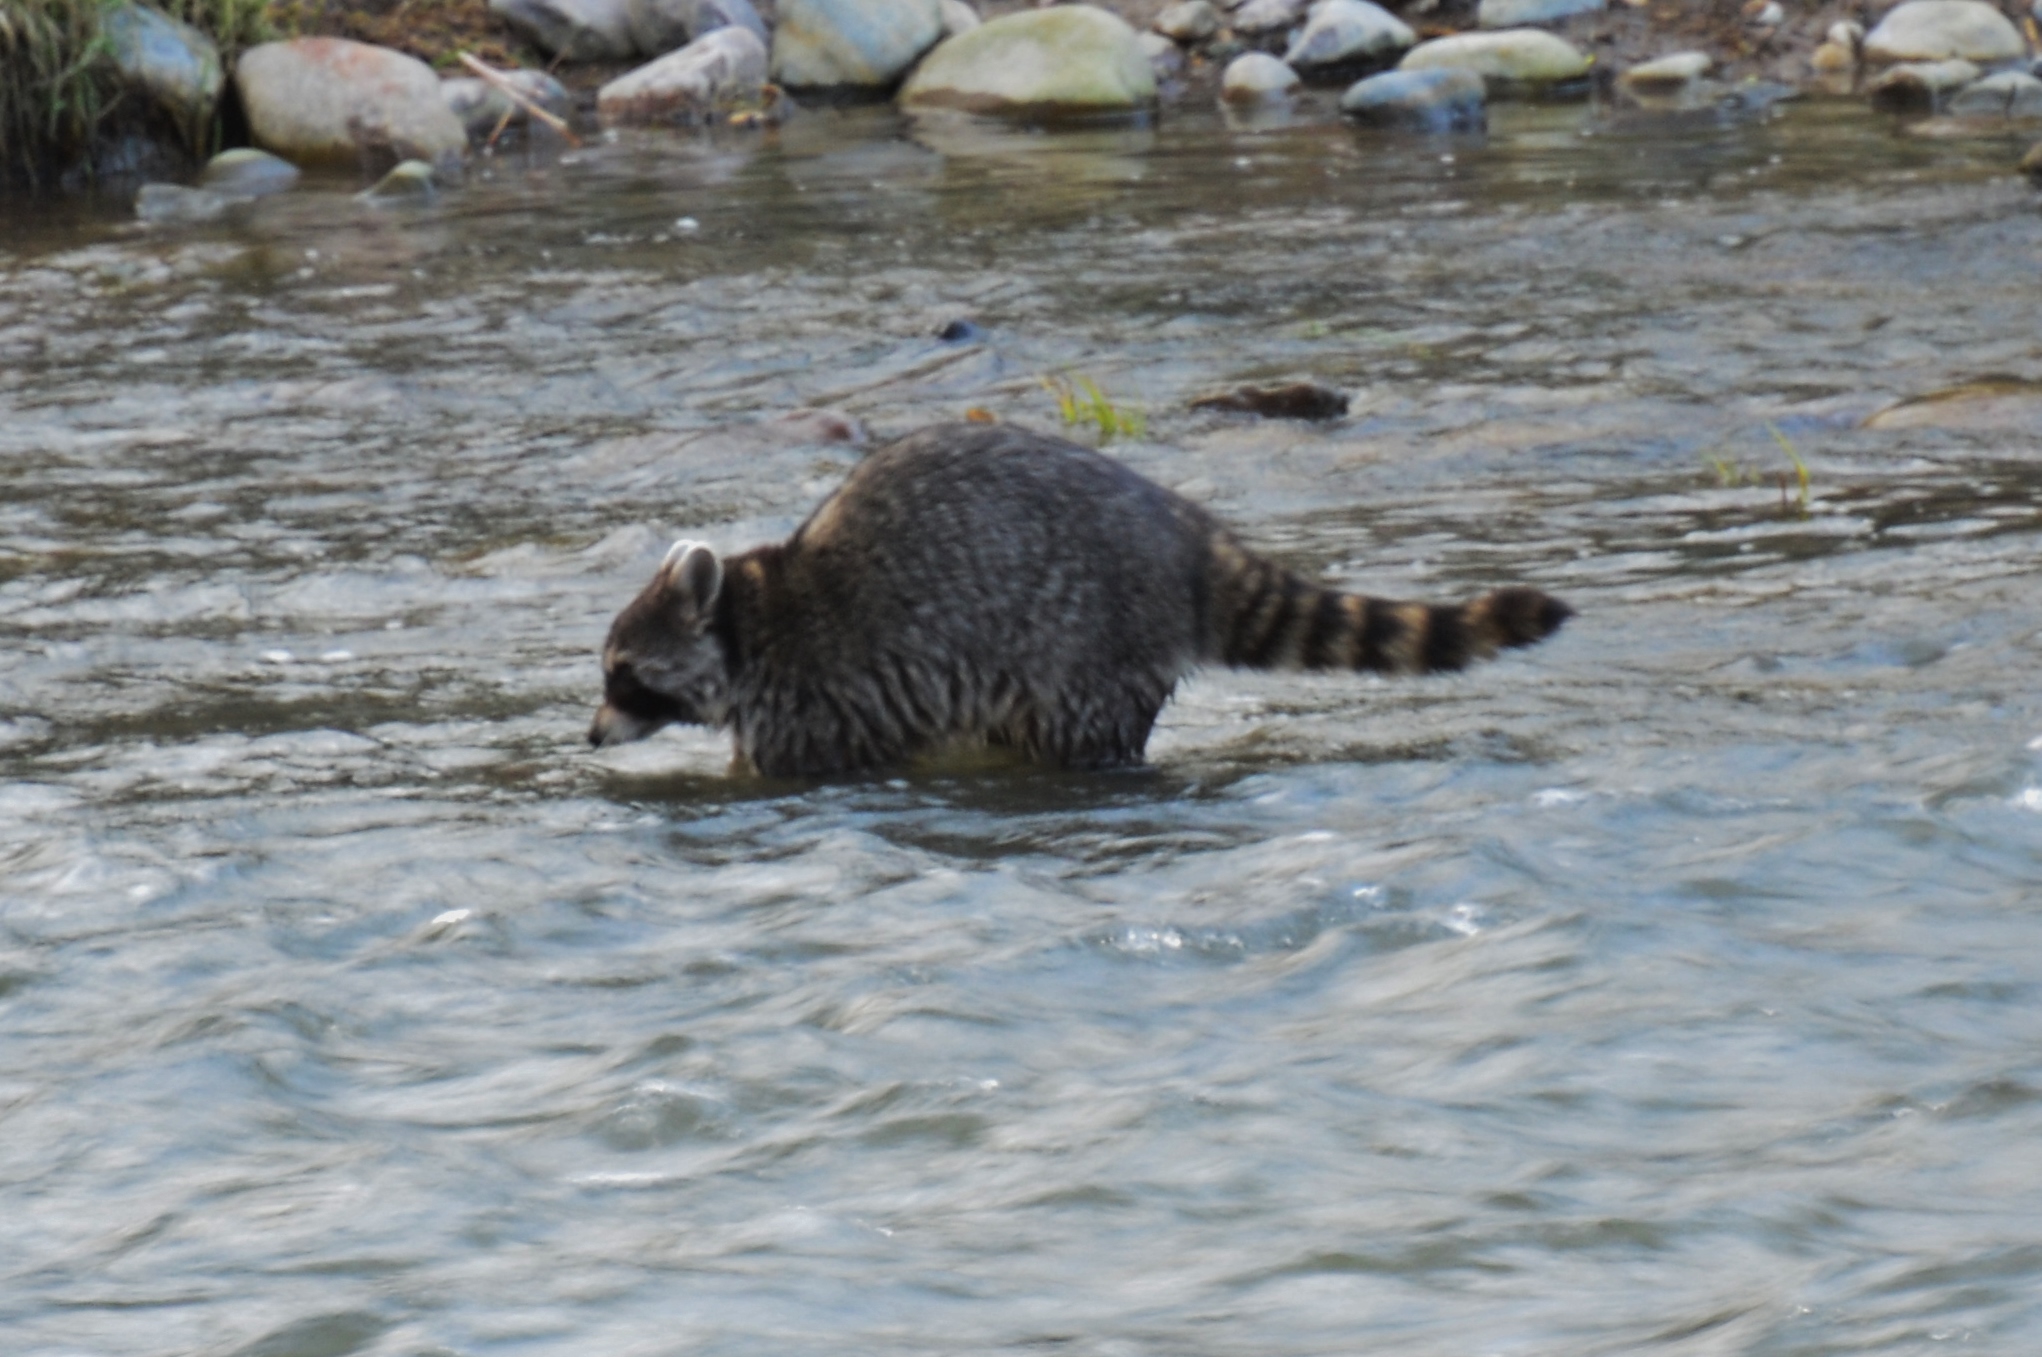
pixel 1918 86
pixel 248 173
pixel 1069 60
pixel 1526 58
pixel 1520 13
pixel 852 44
pixel 2008 94
pixel 1191 22
pixel 1936 30
pixel 173 63
pixel 1256 77
pixel 1286 400
pixel 1344 32
pixel 580 30
pixel 410 182
pixel 175 204
pixel 1666 77
pixel 334 101
pixel 719 71
pixel 1445 99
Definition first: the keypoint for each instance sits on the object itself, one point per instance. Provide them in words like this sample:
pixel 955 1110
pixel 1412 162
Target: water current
pixel 1674 987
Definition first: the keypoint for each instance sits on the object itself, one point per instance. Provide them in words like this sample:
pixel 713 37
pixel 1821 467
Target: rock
pixel 248 173
pixel 1191 22
pixel 1254 77
pixel 174 204
pixel 1166 58
pixel 481 106
pixel 173 63
pixel 1515 57
pixel 721 70
pixel 2008 94
pixel 1936 30
pixel 1918 86
pixel 1521 13
pixel 662 26
pixel 580 30
pixel 1446 99
pixel 334 101
pixel 1288 400
pixel 2031 164
pixel 1343 32
pixel 958 17
pixel 1666 76
pixel 852 44
pixel 1071 59
pixel 1259 18
pixel 410 182
pixel 1846 34
pixel 1992 405
pixel 1835 65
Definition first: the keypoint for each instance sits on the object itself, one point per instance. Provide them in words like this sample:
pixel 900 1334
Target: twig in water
pixel 518 97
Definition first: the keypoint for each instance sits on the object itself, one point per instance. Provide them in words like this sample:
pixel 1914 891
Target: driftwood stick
pixel 518 97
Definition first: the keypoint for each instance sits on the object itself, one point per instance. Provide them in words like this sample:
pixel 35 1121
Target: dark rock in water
pixel 1918 86
pixel 410 182
pixel 1442 99
pixel 174 204
pixel 1289 400
pixel 962 331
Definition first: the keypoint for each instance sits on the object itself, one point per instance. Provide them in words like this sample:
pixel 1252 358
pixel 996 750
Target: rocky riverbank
pixel 372 84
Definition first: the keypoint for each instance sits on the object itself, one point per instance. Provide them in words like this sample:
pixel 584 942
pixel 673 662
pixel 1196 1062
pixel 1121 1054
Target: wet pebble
pixel 410 182
pixel 1440 100
pixel 1071 59
pixel 1342 32
pixel 248 173
pixel 1254 77
pixel 1191 22
pixel 1260 18
pixel 1286 400
pixel 1666 77
pixel 1516 58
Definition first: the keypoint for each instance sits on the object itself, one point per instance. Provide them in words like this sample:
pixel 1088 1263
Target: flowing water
pixel 1674 987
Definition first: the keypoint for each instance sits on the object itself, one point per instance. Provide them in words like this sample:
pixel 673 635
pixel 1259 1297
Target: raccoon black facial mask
pixel 973 584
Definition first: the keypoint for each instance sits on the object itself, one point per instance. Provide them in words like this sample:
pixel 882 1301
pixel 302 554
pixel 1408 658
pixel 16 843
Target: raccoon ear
pixel 692 568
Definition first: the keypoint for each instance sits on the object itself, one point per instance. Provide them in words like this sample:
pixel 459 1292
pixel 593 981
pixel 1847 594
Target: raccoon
pixel 984 585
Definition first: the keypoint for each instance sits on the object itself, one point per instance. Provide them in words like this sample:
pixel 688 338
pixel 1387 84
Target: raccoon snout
pixel 615 727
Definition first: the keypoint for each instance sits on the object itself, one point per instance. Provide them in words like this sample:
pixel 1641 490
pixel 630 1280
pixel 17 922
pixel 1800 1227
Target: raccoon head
pixel 661 663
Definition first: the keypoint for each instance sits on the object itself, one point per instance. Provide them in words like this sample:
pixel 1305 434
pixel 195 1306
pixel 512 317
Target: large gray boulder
pixel 1066 61
pixel 662 26
pixel 723 69
pixel 1343 32
pixel 1527 58
pixel 332 100
pixel 1444 99
pixel 172 63
pixel 1938 30
pixel 580 30
pixel 851 44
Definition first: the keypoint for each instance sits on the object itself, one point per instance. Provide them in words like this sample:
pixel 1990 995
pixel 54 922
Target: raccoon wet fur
pixel 975 585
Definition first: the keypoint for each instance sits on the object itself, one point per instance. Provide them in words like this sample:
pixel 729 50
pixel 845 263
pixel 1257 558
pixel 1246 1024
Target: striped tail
pixel 1266 617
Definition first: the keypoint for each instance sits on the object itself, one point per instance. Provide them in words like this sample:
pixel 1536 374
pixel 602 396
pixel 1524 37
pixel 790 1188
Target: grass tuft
pixel 1080 401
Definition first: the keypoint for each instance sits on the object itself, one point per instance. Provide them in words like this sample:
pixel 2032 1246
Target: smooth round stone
pixel 1193 21
pixel 2007 94
pixel 327 100
pixel 1065 61
pixel 1254 77
pixel 1259 17
pixel 1937 30
pixel 580 30
pixel 1527 57
pixel 174 63
pixel 1444 99
pixel 410 182
pixel 720 70
pixel 1667 75
pixel 1340 32
pixel 248 173
pixel 1521 13
pixel 852 44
